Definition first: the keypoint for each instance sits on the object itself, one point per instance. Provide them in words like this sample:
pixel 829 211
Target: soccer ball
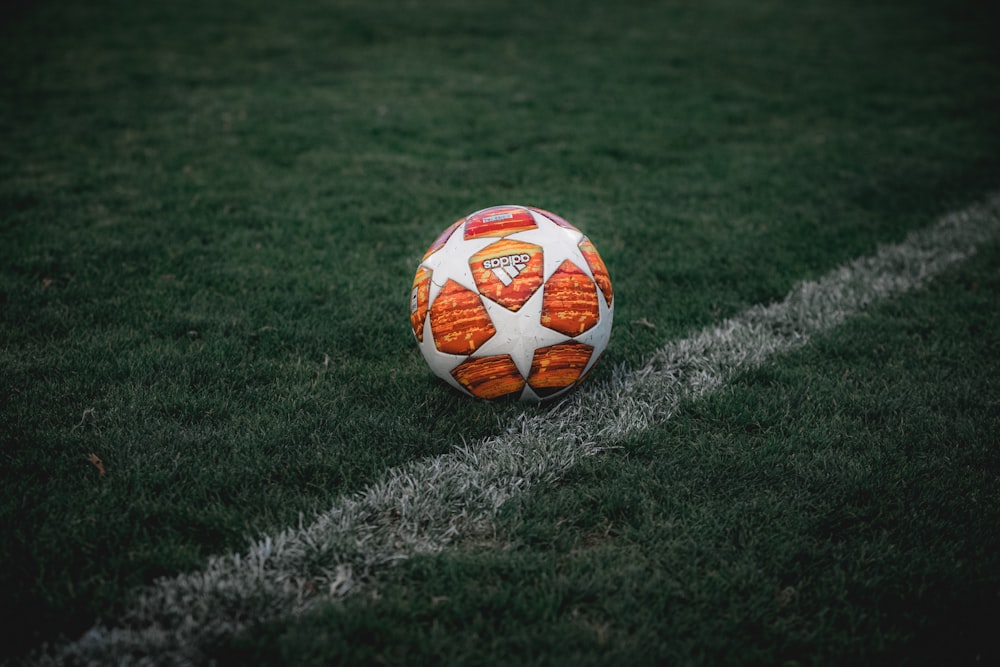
pixel 512 301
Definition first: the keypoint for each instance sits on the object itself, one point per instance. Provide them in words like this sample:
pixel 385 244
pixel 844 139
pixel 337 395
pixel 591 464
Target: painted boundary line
pixel 430 504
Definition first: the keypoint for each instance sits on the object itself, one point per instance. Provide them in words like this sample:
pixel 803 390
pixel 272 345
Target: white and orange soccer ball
pixel 512 301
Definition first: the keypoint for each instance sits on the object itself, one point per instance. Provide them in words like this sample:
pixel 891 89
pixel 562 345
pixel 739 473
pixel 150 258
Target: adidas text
pixel 507 260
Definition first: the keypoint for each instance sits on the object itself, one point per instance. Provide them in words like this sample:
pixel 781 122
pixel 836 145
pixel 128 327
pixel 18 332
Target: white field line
pixel 430 504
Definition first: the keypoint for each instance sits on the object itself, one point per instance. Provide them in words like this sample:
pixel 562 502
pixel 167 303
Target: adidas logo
pixel 508 267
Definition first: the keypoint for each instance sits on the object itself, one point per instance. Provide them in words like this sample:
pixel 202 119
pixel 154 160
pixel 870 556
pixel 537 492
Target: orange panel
pixel 489 377
pixel 418 301
pixel 508 272
pixel 443 238
pixel 597 267
pixel 558 366
pixel 459 321
pixel 499 221
pixel 569 304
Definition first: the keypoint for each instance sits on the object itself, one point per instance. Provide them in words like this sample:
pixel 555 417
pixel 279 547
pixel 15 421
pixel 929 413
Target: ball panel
pixel 459 322
pixel 599 335
pixel 508 272
pixel 559 366
pixel 419 297
pixel 569 303
pixel 498 221
pixel 489 377
pixel 597 268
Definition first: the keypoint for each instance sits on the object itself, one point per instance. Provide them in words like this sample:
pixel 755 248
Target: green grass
pixel 210 217
pixel 839 507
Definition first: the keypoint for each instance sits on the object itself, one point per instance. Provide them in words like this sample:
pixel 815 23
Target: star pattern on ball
pixel 454 254
pixel 486 343
pixel 518 333
pixel 555 252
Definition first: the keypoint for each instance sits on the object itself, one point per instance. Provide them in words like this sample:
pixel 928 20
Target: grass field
pixel 210 215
